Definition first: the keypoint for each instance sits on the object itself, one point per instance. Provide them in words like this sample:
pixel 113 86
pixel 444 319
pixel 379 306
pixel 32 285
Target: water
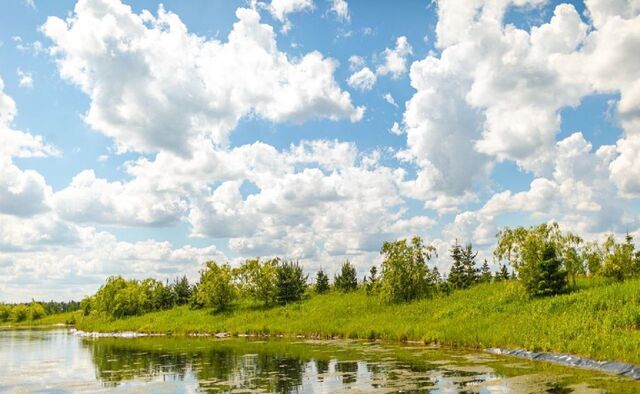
pixel 59 362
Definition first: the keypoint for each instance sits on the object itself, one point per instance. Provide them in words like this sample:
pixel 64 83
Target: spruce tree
pixel 457 273
pixel 322 282
pixel 548 278
pixel 471 272
pixel 371 282
pixel 503 273
pixel 291 282
pixel 346 281
pixel 485 272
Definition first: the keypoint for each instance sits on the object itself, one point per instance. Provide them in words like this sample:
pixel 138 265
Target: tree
pixel 463 270
pixel 20 312
pixel 485 272
pixel 181 290
pixel 405 274
pixel 548 277
pixel 592 255
pixel 292 283
pixel 524 249
pixel 371 282
pixel 322 282
pixel 572 257
pixel 216 288
pixel 346 280
pixel 258 279
pixel 5 313
pixel 503 273
pixel 36 310
pixel 621 261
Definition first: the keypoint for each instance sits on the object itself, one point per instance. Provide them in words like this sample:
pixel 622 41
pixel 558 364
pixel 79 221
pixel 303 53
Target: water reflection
pixel 56 361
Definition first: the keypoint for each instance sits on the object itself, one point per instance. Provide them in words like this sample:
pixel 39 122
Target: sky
pixel 142 139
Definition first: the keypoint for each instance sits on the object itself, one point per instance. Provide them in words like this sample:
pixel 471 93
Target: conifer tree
pixel 503 273
pixel 485 272
pixel 322 282
pixel 457 273
pixel 346 281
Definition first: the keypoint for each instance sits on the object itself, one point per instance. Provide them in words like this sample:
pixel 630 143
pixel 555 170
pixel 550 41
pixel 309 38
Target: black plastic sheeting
pixel 624 369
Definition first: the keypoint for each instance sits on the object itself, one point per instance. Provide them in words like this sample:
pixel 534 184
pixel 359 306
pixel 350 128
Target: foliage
pixel 485 273
pixel 322 282
pixel 620 260
pixel 463 272
pixel 258 280
pixel 216 289
pixel 547 277
pixel 36 310
pixel 405 274
pixel 182 290
pixel 503 273
pixel 371 282
pixel 346 280
pixel 20 312
pixel 498 314
pixel 291 282
pixel 525 248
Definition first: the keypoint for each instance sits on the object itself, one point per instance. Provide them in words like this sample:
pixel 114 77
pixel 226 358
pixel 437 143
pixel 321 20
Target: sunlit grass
pixel 598 320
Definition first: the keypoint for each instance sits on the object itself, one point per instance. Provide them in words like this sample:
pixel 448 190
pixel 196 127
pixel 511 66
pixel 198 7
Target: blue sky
pixel 151 161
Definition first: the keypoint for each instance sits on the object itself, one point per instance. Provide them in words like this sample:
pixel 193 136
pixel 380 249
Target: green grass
pixel 49 320
pixel 600 321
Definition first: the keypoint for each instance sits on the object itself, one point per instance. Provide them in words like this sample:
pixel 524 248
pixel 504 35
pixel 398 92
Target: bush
pixel 20 313
pixel 346 280
pixel 405 274
pixel 36 310
pixel 292 283
pixel 322 283
pixel 216 289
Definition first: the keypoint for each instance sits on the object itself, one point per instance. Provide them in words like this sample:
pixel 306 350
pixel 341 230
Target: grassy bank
pixel 599 320
pixel 48 320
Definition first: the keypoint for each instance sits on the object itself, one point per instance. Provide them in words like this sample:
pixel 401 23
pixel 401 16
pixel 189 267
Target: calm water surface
pixel 59 362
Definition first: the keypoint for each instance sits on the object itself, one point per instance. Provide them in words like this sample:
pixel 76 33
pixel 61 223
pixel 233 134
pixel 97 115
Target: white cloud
pixel 356 62
pixel 22 193
pixel 25 79
pixel 395 60
pixel 362 80
pixel 341 9
pixel 396 129
pixel 389 99
pixel 155 86
pixel 281 8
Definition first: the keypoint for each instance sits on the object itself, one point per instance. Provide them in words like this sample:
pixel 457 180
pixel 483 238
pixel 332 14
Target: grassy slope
pixel 599 321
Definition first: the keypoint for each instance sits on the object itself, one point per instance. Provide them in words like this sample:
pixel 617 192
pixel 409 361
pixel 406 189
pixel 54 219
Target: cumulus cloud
pixel 25 79
pixel 362 80
pixel 341 9
pixel 395 60
pixel 153 85
pixel 281 8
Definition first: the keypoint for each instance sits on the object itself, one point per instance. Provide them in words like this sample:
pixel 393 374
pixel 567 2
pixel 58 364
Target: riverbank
pixel 599 321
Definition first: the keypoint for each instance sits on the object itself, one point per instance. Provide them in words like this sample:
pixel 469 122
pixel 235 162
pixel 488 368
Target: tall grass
pixel 599 320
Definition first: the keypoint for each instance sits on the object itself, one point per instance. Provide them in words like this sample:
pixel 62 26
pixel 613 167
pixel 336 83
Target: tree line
pixel 35 310
pixel 546 260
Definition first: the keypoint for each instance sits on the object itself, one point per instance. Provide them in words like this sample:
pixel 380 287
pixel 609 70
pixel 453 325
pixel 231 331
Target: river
pixel 57 361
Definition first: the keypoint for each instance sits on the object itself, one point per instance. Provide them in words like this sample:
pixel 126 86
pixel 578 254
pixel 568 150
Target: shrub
pixel 346 280
pixel 216 288
pixel 20 312
pixel 322 282
pixel 291 282
pixel 36 310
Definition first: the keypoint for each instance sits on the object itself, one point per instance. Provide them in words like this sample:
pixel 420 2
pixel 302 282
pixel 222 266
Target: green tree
pixel 36 310
pixel 523 248
pixel 292 282
pixel 463 272
pixel 592 255
pixel 405 274
pixel 216 288
pixel 19 312
pixel 258 279
pixel 621 261
pixel 503 273
pixel 548 277
pixel 371 282
pixel 5 313
pixel 572 256
pixel 346 280
pixel 485 272
pixel 322 282
pixel 181 290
